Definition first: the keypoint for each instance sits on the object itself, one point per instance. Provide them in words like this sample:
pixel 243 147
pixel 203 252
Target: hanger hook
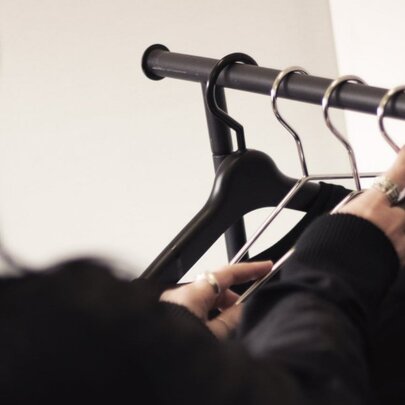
pixel 273 95
pixel 325 108
pixel 381 110
pixel 210 94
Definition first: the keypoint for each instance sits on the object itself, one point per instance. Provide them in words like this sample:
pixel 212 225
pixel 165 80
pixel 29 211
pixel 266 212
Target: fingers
pixel 241 273
pixel 226 299
pixel 375 206
pixel 373 197
pixel 224 324
pixel 228 276
pixel 202 295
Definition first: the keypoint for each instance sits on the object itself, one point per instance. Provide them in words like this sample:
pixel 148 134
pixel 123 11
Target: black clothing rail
pixel 158 62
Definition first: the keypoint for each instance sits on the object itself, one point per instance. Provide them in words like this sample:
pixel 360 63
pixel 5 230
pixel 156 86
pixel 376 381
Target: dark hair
pixel 73 332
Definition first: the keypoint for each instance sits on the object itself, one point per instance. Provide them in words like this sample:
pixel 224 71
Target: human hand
pixel 200 296
pixel 374 206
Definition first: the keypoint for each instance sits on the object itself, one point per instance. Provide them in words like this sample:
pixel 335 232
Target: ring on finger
pixel 211 279
pixel 388 188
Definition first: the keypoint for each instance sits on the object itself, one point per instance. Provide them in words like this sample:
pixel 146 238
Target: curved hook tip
pixel 273 97
pixel 325 108
pixel 381 110
pixel 210 94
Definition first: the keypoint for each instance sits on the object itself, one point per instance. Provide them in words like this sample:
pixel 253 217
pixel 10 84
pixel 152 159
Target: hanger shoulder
pixel 244 181
pixel 250 180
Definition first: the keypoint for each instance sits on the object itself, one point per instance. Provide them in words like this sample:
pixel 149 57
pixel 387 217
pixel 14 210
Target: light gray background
pixel 97 159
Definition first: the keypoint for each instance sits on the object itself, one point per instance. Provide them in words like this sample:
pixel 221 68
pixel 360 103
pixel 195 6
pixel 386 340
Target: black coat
pixel 78 333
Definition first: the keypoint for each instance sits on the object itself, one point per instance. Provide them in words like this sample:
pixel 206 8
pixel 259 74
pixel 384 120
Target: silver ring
pixel 210 278
pixel 386 186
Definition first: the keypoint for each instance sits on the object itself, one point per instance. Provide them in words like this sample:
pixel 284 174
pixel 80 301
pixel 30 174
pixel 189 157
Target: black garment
pixel 388 346
pixel 329 195
pixel 345 252
pixel 77 333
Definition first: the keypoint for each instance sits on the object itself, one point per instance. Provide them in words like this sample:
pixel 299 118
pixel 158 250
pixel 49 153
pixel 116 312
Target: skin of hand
pixel 374 206
pixel 200 298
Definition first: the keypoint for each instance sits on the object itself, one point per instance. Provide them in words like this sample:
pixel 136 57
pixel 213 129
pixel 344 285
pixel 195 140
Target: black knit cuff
pixel 351 248
pixel 180 311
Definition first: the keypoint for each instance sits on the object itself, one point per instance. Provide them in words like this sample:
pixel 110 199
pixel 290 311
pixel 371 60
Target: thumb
pixel 226 322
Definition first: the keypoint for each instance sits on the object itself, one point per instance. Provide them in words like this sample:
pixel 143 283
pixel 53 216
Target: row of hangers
pixel 356 176
pixel 249 179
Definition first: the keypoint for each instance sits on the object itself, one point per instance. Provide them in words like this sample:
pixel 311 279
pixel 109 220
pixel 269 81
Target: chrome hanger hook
pixel 273 96
pixel 381 110
pixel 325 108
pixel 210 94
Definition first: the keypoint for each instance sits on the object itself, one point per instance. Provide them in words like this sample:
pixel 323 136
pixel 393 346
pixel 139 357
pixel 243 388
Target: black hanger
pixel 245 180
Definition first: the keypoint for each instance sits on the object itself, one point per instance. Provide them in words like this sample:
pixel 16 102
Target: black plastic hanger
pixel 245 181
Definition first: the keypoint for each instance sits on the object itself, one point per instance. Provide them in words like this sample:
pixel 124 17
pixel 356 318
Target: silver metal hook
pixel 273 95
pixel 325 108
pixel 381 109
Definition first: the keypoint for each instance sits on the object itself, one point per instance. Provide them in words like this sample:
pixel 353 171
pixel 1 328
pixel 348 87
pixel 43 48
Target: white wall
pixel 369 36
pixel 97 159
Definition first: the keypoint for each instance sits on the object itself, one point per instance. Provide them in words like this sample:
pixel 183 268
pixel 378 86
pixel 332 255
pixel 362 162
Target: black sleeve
pixel 303 340
pixel 81 334
pixel 315 321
